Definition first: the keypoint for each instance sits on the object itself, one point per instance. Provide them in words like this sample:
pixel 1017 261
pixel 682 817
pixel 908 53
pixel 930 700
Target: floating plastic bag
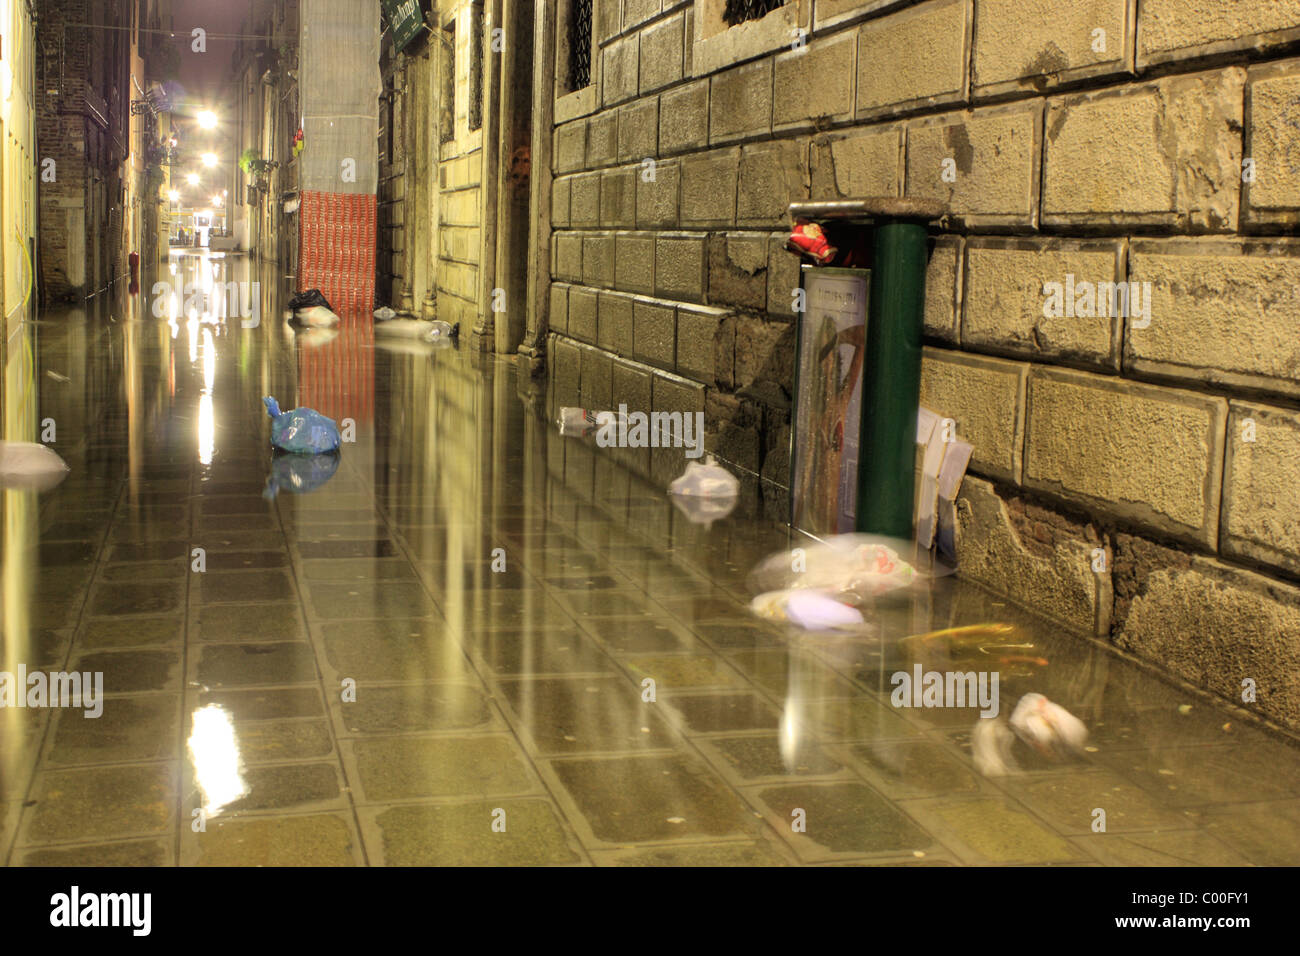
pixel 1049 728
pixel 27 465
pixel 579 421
pixel 385 314
pixel 991 743
pixel 853 565
pixel 406 328
pixel 302 431
pixel 811 610
pixel 707 480
pixel 442 332
pixel 311 308
pixel 299 474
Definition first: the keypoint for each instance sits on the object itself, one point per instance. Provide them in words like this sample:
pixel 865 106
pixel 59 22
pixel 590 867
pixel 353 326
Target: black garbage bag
pixel 299 474
pixel 311 298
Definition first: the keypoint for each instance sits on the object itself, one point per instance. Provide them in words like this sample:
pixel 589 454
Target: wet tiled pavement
pixel 348 681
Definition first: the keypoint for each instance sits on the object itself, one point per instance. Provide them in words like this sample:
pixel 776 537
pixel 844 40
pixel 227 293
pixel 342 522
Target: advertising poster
pixel 828 403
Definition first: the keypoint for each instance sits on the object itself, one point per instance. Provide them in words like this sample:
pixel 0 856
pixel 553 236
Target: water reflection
pixel 300 474
pixel 214 755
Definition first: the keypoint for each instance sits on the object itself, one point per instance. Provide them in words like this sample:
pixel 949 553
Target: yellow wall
pixel 17 210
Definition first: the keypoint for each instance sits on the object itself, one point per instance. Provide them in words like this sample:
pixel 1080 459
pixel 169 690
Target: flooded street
pixel 470 640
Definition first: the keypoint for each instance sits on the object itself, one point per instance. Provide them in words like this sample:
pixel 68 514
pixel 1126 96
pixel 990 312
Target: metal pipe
pixel 891 382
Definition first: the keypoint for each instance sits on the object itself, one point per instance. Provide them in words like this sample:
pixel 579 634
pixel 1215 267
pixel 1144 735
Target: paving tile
pixel 653 798
pixel 404 768
pixel 128 729
pixel 248 622
pixel 235 665
pixel 840 818
pixel 406 708
pixel 392 650
pixel 102 802
pixel 583 715
pixel 309 840
pixel 509 832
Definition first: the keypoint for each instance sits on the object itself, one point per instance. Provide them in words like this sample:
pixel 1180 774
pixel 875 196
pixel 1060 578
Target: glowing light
pixel 214 752
pixel 209 159
pixel 207 119
pixel 192 178
pixel 207 429
pixel 174 195
pixel 209 362
pixel 216 200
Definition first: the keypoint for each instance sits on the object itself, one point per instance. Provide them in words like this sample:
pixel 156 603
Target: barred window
pixel 580 45
pixel 738 11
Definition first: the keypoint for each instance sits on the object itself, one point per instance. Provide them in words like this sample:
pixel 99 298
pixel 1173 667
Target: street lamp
pixel 216 200
pixel 207 119
pixel 209 159
pixel 192 179
pixel 174 195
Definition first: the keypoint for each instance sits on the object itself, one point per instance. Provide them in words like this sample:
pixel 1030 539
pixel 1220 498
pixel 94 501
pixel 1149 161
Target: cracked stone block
pixel 1165 153
pixel 1181 29
pixel 1222 312
pixel 1142 453
pixel 1039 558
pixel 983 164
pixel 1261 510
pixel 985 398
pixel 1037 45
pixel 1007 309
pixel 1213 625
pixel 936 40
pixel 738 270
pixel 860 163
pixel 1271 192
pixel 772 175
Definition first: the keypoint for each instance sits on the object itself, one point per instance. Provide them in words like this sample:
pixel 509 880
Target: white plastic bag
pixel 1049 728
pixel 317 317
pixel 810 610
pixel 708 480
pixel 384 314
pixel 27 465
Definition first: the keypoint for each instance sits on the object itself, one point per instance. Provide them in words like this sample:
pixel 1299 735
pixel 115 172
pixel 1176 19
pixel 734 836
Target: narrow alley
pixel 983 551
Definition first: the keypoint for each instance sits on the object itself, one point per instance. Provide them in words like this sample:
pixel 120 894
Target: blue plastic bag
pixel 302 431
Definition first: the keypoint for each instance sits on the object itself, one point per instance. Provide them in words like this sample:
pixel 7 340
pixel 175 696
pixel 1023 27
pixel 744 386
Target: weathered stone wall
pixel 1134 476
pixel 459 176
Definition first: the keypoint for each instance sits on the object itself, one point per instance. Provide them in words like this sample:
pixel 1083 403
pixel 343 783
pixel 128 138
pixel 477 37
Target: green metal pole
pixel 891 384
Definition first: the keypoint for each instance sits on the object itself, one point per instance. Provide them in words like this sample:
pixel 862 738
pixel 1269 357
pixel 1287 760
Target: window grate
pixel 580 45
pixel 738 11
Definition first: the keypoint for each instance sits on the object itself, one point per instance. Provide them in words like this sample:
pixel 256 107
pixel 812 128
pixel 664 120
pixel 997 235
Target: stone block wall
pixel 1135 475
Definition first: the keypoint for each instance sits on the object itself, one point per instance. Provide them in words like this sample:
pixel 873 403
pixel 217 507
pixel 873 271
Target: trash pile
pixel 303 431
pixel 312 309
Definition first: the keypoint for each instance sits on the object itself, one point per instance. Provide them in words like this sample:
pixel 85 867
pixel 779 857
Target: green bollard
pixel 891 382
